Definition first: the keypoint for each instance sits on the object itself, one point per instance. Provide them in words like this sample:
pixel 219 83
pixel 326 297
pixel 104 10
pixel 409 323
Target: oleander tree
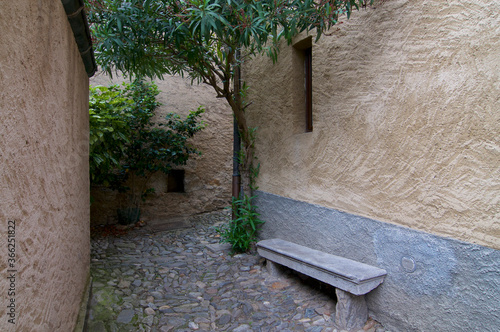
pixel 203 39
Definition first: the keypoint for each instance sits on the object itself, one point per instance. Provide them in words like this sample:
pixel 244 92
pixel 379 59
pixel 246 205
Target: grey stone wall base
pixel 351 312
pixel 433 283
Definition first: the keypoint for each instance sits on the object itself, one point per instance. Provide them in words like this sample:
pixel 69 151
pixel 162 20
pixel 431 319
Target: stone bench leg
pixel 273 268
pixel 351 312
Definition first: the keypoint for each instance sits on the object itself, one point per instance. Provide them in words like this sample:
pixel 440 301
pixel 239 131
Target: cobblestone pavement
pixel 184 280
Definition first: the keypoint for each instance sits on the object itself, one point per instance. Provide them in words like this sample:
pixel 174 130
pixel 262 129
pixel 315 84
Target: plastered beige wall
pixel 44 184
pixel 207 177
pixel 406 99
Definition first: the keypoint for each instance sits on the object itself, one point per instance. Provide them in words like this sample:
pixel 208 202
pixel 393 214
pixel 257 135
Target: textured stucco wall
pixel 406 114
pixel 44 184
pixel 433 283
pixel 207 177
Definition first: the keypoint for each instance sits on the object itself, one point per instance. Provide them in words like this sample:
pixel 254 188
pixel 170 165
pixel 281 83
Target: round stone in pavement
pixel 125 316
pixel 243 328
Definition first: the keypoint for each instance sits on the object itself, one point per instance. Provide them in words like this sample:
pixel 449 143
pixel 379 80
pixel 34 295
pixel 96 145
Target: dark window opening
pixel 308 87
pixel 175 181
pixel 302 85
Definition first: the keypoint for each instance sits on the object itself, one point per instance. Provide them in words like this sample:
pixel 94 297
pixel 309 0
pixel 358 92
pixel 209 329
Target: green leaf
pixel 123 138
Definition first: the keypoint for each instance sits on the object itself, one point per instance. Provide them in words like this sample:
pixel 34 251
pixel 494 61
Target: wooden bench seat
pixel 351 279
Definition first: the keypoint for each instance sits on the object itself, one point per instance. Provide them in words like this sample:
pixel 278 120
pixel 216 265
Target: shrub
pixel 126 147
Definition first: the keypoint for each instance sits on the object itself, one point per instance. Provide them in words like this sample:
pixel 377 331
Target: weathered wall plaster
pixel 44 184
pixel 433 283
pixel 207 177
pixel 406 115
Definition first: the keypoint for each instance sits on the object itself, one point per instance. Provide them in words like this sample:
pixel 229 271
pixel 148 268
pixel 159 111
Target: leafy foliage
pixel 127 147
pixel 202 38
pixel 109 109
pixel 242 230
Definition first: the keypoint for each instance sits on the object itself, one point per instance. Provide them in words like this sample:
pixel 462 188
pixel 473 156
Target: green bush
pixel 109 109
pixel 126 147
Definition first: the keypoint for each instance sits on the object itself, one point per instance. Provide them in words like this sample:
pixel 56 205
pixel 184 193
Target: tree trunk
pixel 236 103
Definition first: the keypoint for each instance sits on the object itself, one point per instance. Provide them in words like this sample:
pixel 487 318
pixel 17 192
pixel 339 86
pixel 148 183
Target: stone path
pixel 184 280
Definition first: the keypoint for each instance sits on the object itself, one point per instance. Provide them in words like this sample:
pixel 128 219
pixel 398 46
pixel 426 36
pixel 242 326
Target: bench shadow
pixel 308 283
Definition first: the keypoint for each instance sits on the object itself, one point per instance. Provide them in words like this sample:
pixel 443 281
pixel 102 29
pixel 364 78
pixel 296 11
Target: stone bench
pixel 351 279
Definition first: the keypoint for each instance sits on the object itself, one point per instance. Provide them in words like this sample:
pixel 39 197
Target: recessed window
pixel 303 83
pixel 175 181
pixel 308 87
